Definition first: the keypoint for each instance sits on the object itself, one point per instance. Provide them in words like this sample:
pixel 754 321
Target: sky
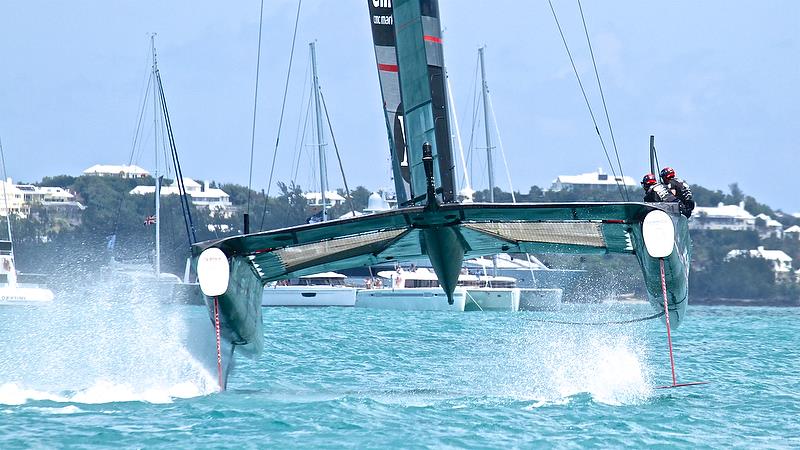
pixel 716 82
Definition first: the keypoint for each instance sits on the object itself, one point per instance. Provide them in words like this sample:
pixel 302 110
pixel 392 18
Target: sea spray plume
pixel 106 338
pixel 556 361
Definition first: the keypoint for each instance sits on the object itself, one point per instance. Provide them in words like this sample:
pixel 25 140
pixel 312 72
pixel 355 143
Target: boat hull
pixel 492 299
pixel 410 299
pixel 309 296
pixel 23 295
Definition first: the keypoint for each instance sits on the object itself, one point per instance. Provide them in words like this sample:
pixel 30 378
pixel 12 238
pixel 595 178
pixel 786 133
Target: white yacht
pixel 529 274
pixel 13 292
pixel 419 290
pixel 322 289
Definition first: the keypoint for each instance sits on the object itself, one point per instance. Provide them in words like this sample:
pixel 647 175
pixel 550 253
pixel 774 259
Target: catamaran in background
pixel 430 223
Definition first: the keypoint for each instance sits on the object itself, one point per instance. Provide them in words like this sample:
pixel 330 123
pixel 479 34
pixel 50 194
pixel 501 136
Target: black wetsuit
pixel 659 193
pixel 684 195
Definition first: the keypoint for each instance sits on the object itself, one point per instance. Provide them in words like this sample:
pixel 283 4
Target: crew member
pixel 655 191
pixel 679 189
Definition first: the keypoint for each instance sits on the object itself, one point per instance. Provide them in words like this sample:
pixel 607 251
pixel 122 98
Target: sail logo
pixel 383 20
pixel 382 3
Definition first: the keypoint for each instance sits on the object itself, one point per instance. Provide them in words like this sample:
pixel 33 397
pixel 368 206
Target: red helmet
pixel 667 173
pixel 649 180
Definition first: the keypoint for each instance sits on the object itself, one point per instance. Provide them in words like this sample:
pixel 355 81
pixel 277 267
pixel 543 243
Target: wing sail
pixel 383 37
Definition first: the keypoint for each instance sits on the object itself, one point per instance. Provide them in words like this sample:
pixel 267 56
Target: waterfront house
pixel 331 198
pixel 203 196
pixel 781 262
pixel 14 201
pixel 768 227
pixel 124 171
pixel 792 232
pixel 722 217
pixel 592 181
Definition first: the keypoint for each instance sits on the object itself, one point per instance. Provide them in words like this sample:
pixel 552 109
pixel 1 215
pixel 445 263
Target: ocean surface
pixel 94 372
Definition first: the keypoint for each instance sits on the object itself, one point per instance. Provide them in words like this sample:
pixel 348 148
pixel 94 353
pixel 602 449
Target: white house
pixel 769 228
pixel 331 198
pixel 44 194
pixel 792 232
pixel 722 217
pixel 14 201
pixel 781 262
pixel 592 180
pixel 124 171
pixel 201 195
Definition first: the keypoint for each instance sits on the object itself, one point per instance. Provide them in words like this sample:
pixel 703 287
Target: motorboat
pixel 322 289
pixel 12 292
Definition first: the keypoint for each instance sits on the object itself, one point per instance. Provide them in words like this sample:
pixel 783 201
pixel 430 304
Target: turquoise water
pixel 107 375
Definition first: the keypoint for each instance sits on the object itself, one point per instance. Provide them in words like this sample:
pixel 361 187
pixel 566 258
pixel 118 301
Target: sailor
pixel 655 191
pixel 679 189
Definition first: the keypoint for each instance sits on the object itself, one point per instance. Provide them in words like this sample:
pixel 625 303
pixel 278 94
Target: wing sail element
pixel 410 58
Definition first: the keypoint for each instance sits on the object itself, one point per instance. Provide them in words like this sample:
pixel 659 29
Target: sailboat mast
pixel 485 91
pixel 157 191
pixel 323 166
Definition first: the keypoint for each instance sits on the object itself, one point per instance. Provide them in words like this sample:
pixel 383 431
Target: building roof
pixel 597 178
pixel 772 223
pixel 192 188
pixel 722 210
pixel 792 229
pixel 760 252
pixel 329 195
pixel 109 168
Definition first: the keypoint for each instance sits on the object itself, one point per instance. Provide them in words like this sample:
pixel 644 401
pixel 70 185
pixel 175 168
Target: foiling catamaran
pixel 430 222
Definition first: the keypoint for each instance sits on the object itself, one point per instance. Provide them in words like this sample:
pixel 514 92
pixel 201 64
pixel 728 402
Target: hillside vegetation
pixel 47 243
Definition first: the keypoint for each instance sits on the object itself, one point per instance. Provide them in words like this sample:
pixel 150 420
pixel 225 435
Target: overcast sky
pixel 715 81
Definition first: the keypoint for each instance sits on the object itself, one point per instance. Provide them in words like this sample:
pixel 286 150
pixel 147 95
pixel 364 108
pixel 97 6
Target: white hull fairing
pixel 309 296
pixel 492 299
pixel 410 299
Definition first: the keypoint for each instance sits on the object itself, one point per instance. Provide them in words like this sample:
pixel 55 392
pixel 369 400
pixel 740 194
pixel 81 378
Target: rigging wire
pixel 586 99
pixel 255 110
pixel 603 98
pixel 302 140
pixel 283 106
pixel 338 157
pixel 184 196
pixel 466 180
pixel 138 129
pixel 475 106
pixel 5 196
pixel 502 150
pixel 612 322
pixel 299 151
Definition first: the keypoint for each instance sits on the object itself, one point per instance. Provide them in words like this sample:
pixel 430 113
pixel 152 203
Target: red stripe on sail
pixel 434 39
pixel 388 67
